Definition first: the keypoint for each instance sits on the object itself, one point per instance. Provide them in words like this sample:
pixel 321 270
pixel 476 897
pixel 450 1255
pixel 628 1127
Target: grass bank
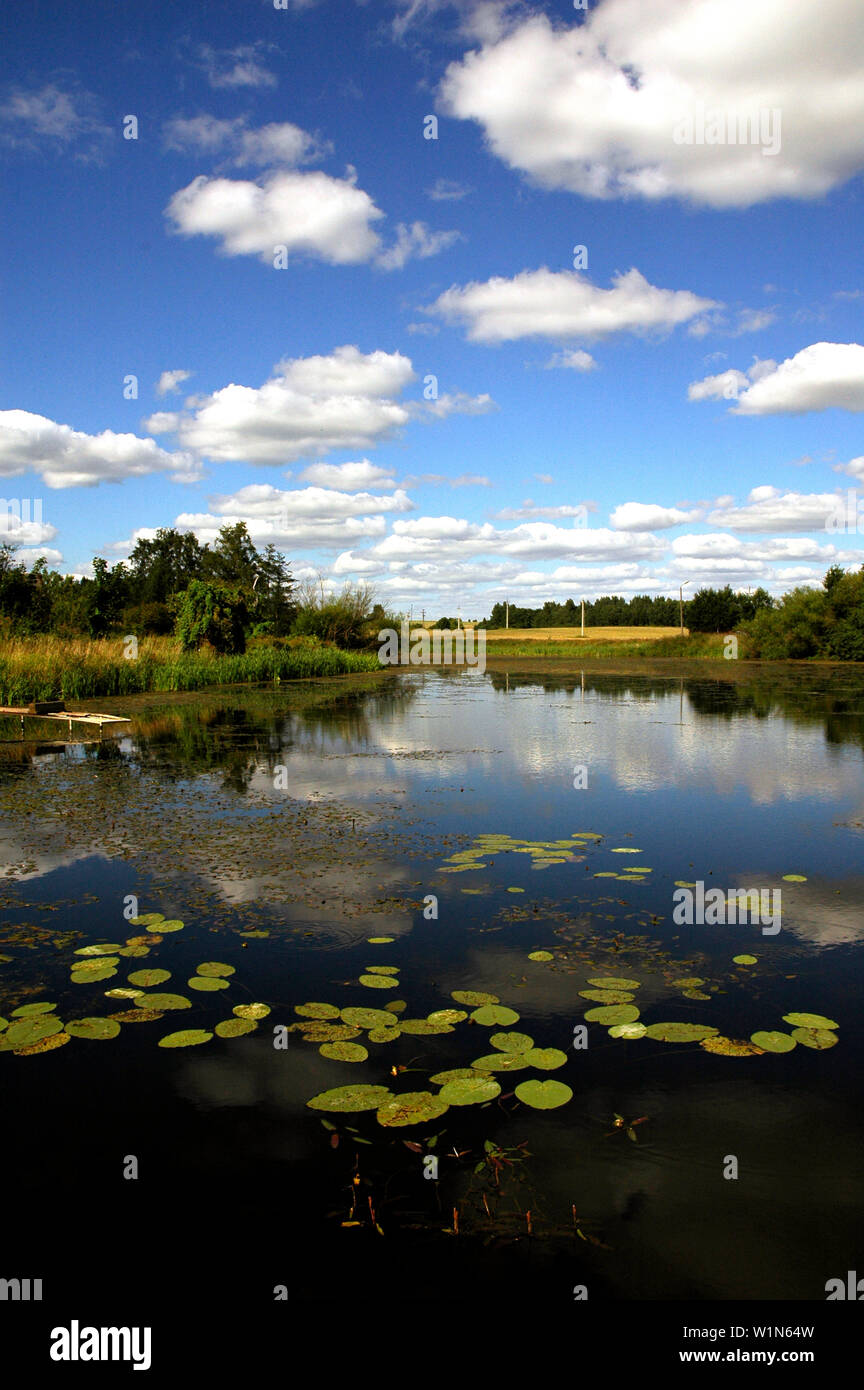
pixel 51 668
pixel 698 646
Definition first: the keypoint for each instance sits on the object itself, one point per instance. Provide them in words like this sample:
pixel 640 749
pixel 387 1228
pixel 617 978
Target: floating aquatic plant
pixel 99 1029
pixel 543 1095
pixel 187 1037
pixel 350 1099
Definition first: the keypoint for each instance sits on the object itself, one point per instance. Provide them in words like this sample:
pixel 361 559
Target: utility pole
pixel 583 617
pixel 681 588
pixel 507 617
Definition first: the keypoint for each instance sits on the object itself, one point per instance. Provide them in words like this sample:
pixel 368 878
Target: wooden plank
pixel 46 707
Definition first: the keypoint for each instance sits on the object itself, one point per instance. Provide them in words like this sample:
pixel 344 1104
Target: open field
pixel 574 634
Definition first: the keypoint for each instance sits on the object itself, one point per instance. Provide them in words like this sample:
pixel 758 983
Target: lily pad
pixel 627 1030
pixel 216 968
pixel 149 977
pixel 327 1032
pixel 470 1090
pixel 187 1037
pixel 251 1010
pixel 383 1035
pixel 383 969
pixel 773 1041
pixel 447 1016
pixel 344 1051
pixel 511 1042
pixel 43 1045
pixel 99 1029
pixel 137 1015
pixel 614 982
pixel 380 940
pixel 147 919
pixel 688 982
pixel 545 1058
pixel 422 1027
pixel 173 925
pixel 104 950
pixel 607 996
pixel 695 994
pixel 31 1030
pixel 235 1027
pixel 163 1001
pixel 316 1010
pixel 396 1006
pixel 367 1018
pixel 350 1099
pixel 411 1108
pixel 680 1032
pixel 32 1010
pixel 540 955
pixel 502 1061
pixel 136 951
pixel 123 993
pixel 543 1095
pixel 207 984
pixel 613 1013
pixel 379 982
pixel 474 998
pixel 495 1016
pixel 731 1047
pixel 810 1021
pixel 441 1078
pixel 818 1038
pixel 90 977
pixel 744 960
pixel 794 878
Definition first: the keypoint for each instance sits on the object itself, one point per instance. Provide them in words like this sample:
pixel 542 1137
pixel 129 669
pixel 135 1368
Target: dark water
pixel 734 784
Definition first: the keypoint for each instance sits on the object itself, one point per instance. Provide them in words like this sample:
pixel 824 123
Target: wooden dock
pixel 57 711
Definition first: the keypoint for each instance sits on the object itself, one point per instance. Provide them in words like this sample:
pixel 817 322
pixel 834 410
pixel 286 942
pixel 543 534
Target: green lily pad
pixel 328 1032
pixel 545 1058
pixel 689 982
pixel 613 1013
pixel 123 993
pixel 540 955
pixel 206 983
pixel 447 1016
pixel 147 919
pixel 135 951
pixel 773 1041
pixel 43 1045
pixel 695 994
pixel 90 977
pixel 162 927
pixel 380 940
pixel 470 1090
pixel 32 1010
pixel 627 1030
pixel 235 1027
pixel 104 950
pixel 474 998
pixel 623 850
pixel 344 1051
pixel 187 1037
pixel 818 1038
pixel 383 1035
pixel 495 1016
pixel 367 1018
pixel 680 1032
pixel 316 1010
pixel 149 977
pixel 251 1010
pixel 163 1001
pixel 350 1099
pixel 137 1015
pixel 515 890
pixel 396 1006
pixel 411 1108
pixel 378 982
pixel 502 1061
pixel 543 1095
pixel 216 968
pixel 794 878
pixel 383 969
pixel 744 960
pixel 810 1021
pixel 99 1029
pixel 422 1027
pixel 511 1042
pixel 441 1078
pixel 731 1047
pixel 614 982
pixel 607 996
pixel 31 1030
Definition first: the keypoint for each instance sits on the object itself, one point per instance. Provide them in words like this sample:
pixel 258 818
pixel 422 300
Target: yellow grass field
pixel 573 634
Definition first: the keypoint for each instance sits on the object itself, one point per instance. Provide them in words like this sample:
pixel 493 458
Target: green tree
pixel 212 614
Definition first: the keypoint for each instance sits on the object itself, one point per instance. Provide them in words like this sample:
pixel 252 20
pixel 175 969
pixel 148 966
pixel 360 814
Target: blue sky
pixel 374 347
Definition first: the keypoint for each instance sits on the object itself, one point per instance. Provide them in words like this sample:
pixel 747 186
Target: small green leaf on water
pixel 515 890
pixel 474 998
pixel 543 1095
pixel 187 1037
pixel 730 1047
pixel 235 1027
pixel 695 994
pixel 744 960
pixel 818 1038
pixel 810 1021
pixel 396 1006
pixel 137 1015
pixel 344 1051
pixel 251 1010
pixel 147 919
pixel 773 1041
pixel 366 1018
pixel 215 968
pixel 422 1027
pixel 380 940
pixel 680 1032
pixel 383 969
pixel 511 1042
pixel 627 1030
pixel 495 1016
pixel 794 878
pixel 206 983
pixel 545 1058
pixel 105 950
pixel 613 1013
pixel 411 1108
pixel 349 1099
pixel 541 955
pixel 174 925
pixel 31 1030
pixel 447 1016
pixel 32 1010
pixel 383 1035
pixel 90 977
pixel 99 1029
pixel 378 982
pixel 613 982
pixel 470 1090
pixel 502 1061
pixel 625 851
pixel 316 1010
pixel 682 883
pixel 163 1001
pixel 689 982
pixel 135 951
pixel 149 977
pixel 43 1045
pixel 441 1078
pixel 606 996
pixel 123 993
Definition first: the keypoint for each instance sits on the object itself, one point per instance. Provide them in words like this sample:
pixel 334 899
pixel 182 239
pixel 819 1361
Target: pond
pixel 508 853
